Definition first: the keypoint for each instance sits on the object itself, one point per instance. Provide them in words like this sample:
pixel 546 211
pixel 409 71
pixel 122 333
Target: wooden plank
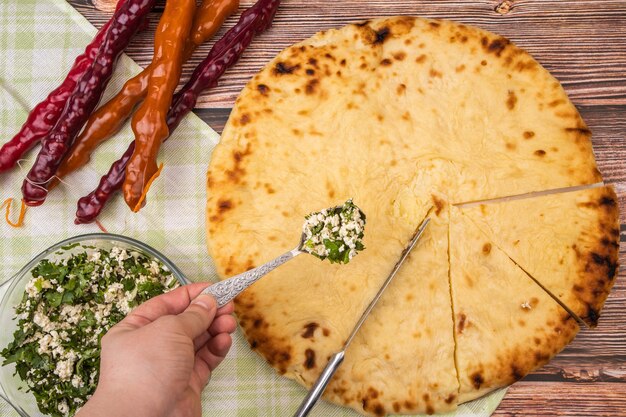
pixel 531 399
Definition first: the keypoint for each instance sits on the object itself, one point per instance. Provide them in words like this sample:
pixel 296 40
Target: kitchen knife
pixel 335 361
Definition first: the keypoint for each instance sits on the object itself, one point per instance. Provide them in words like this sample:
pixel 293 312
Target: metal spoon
pixel 225 291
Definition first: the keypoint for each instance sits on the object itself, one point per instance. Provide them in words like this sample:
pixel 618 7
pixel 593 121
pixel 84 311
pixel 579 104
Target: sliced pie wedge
pixel 505 324
pixel 402 359
pixel 568 242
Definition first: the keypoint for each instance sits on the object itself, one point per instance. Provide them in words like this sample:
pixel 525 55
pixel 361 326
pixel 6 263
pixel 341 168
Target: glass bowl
pixel 23 401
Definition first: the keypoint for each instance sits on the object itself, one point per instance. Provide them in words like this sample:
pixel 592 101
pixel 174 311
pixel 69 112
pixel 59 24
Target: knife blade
pixel 335 360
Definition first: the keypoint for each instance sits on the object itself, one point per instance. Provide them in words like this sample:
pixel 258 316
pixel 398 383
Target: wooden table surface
pixel 583 43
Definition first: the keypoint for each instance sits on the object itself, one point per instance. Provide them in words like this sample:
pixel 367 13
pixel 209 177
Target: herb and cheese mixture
pixel 66 309
pixel 335 233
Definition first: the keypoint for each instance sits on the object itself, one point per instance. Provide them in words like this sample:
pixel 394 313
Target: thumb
pixel 198 316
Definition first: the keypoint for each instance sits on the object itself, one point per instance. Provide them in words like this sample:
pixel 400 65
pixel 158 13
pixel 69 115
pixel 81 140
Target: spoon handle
pixel 226 290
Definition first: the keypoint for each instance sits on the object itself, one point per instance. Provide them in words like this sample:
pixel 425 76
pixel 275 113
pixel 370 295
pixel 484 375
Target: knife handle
pixel 318 388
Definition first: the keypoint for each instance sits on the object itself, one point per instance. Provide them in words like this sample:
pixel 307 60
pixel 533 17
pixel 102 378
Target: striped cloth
pixel 38 42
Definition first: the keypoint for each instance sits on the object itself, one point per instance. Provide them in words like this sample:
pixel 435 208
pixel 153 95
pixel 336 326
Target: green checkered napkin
pixel 39 40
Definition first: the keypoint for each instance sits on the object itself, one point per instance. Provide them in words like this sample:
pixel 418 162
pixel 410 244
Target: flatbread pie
pixel 407 117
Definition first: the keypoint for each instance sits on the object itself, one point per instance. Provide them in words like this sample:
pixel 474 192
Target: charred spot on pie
pixel 309 361
pixel 385 62
pixel 399 56
pixel 541 357
pixel 372 392
pixel 434 73
pixel 309 330
pixel 496 46
pixel 555 103
pixel 450 398
pixel 487 248
pixel 310 71
pixel 325 332
pixel 282 68
pixel 529 134
pixel 511 100
pixel 605 261
pixel 597 258
pixel 257 323
pixel 477 379
pixel 516 372
pixel 311 86
pixel 434 25
pixel 580 130
pixel 439 204
pixel 461 325
pixel 608 201
pixel 263 89
pixel 607 241
pixel 540 152
pixel 250 265
pixel 224 205
pixel 245 119
pixel 420 58
pixel 381 35
pixel 592 315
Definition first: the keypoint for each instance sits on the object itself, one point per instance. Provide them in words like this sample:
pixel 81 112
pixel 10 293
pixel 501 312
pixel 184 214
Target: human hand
pixel 158 359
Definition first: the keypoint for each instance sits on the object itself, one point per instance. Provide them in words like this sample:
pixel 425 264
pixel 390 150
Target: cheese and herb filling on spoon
pixel 67 307
pixel 335 233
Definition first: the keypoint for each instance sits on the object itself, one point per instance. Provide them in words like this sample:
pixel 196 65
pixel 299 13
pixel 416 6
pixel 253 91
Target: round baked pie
pixel 411 118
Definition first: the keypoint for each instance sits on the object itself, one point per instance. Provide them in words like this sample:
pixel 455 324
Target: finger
pixel 197 318
pixel 222 324
pixel 220 345
pixel 173 302
pixel 201 370
pixel 201 340
pixel 216 350
pixel 226 309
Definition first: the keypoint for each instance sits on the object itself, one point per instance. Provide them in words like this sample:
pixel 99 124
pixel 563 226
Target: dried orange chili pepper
pixel 208 19
pixel 149 122
pixel 109 118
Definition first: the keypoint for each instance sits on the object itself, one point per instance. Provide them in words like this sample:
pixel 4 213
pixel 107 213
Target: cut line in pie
pixel 580 264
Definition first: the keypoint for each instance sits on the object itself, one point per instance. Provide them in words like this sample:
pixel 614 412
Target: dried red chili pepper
pixel 89 88
pixel 109 118
pixel 90 206
pixel 149 122
pixel 44 115
pixel 252 22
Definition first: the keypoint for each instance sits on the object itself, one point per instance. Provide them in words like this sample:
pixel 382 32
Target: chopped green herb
pixel 335 233
pixel 66 309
